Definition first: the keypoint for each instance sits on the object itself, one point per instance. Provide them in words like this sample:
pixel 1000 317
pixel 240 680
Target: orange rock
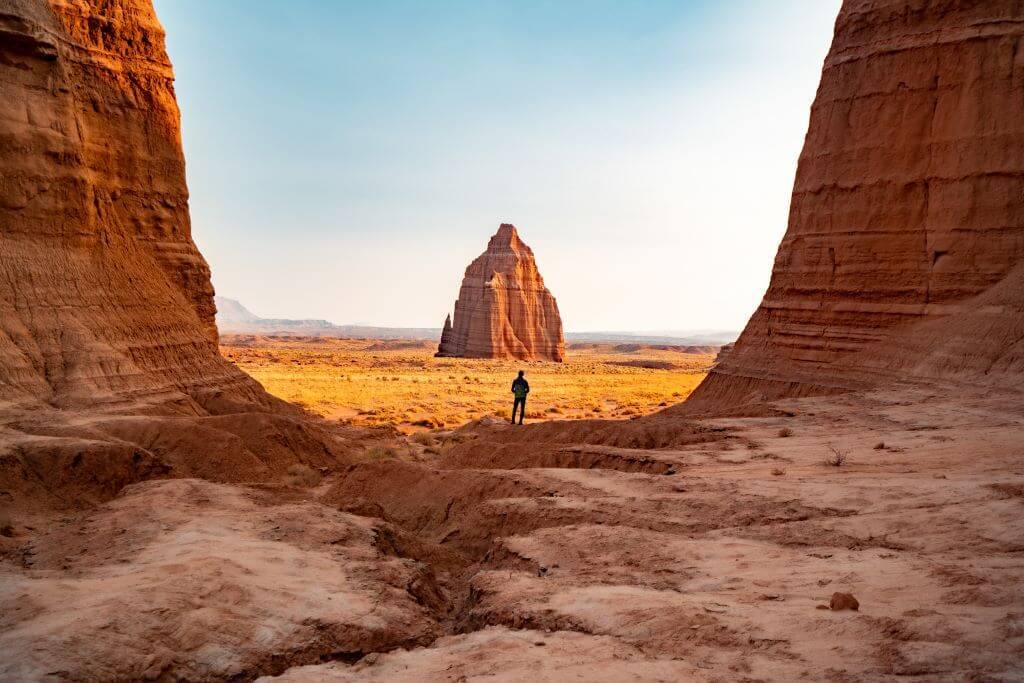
pixel 904 254
pixel 504 310
pixel 103 294
pixel 106 306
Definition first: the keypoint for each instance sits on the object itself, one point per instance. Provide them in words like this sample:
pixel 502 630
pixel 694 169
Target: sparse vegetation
pixel 378 453
pixel 350 380
pixel 423 438
pixel 302 475
pixel 880 446
pixel 785 432
pixel 778 472
pixel 836 457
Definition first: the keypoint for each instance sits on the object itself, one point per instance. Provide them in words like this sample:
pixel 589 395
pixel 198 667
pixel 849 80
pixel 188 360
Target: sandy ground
pixel 379 382
pixel 709 553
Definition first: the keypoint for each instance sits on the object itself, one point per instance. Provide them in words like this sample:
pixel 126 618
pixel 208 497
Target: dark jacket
pixel 523 386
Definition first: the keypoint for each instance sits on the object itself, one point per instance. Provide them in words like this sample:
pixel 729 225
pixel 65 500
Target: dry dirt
pixel 401 383
pixel 658 548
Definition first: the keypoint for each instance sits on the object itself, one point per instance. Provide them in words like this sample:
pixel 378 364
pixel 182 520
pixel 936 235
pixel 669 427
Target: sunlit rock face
pixel 903 254
pixel 103 295
pixel 504 310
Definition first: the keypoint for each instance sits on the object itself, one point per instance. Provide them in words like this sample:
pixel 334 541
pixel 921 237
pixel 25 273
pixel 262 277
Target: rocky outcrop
pixel 103 295
pixel 905 244
pixel 109 367
pixel 504 310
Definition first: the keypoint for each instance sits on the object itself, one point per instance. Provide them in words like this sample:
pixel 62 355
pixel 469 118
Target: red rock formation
pixel 905 246
pixel 103 295
pixel 107 334
pixel 504 310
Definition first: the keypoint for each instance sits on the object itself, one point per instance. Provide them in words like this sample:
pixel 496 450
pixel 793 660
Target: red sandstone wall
pixel 907 211
pixel 103 295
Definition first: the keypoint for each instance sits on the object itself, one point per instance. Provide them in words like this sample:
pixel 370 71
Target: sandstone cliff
pixel 106 307
pixel 103 295
pixel 905 244
pixel 504 310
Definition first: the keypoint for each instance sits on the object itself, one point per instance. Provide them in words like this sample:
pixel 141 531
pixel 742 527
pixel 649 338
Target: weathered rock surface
pixel 103 295
pixel 905 246
pixel 192 580
pixel 504 310
pixel 109 368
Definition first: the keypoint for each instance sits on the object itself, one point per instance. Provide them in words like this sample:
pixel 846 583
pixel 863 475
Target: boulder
pixel 842 601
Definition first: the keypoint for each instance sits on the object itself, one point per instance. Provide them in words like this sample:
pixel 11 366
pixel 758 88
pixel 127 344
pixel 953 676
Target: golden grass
pixel 371 382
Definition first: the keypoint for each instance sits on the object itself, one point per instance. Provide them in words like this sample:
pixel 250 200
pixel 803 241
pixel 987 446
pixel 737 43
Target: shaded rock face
pixel 904 252
pixel 103 294
pixel 504 310
pixel 109 368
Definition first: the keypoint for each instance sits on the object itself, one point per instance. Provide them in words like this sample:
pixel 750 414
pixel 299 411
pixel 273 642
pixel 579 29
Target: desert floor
pixel 378 382
pixel 654 548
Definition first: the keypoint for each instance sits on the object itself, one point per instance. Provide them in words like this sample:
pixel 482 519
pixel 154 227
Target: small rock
pixel 841 601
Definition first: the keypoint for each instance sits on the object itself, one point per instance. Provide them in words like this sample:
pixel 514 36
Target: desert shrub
pixel 785 432
pixel 880 445
pixel 778 472
pixel 377 453
pixel 302 475
pixel 423 438
pixel 836 457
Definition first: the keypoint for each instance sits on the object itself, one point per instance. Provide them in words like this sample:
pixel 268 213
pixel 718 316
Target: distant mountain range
pixel 234 318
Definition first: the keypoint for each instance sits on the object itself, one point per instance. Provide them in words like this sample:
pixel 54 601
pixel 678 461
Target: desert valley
pixel 837 496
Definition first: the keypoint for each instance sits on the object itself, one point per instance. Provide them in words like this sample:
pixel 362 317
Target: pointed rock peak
pixel 506 236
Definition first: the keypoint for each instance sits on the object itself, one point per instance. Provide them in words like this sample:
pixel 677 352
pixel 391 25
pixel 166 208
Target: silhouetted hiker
pixel 520 387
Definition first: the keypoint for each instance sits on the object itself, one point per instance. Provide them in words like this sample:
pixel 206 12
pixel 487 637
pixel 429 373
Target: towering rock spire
pixel 504 310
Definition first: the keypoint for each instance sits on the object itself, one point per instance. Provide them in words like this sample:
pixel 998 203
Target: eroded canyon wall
pixel 103 294
pixel 504 310
pixel 904 251
pixel 109 367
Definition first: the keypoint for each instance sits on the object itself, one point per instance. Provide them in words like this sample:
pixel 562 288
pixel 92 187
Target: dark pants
pixel 521 404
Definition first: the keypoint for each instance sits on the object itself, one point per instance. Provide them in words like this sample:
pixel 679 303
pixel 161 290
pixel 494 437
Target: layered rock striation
pixel 109 367
pixel 504 310
pixel 103 294
pixel 905 243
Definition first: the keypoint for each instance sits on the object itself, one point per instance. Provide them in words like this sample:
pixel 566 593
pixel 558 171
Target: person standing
pixel 520 388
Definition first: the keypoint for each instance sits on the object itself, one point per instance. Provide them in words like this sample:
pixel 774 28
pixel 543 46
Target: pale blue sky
pixel 346 160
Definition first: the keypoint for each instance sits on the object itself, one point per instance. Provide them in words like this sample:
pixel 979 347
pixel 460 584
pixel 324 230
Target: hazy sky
pixel 347 160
